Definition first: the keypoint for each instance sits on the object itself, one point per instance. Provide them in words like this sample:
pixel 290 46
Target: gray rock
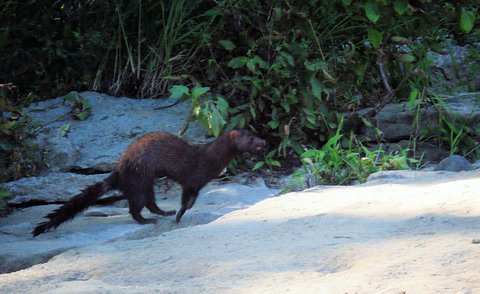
pixel 101 224
pixel 454 71
pixel 316 241
pixel 454 163
pixel 476 164
pixel 63 153
pixel 299 180
pixel 51 187
pixel 97 142
pixel 397 122
pixel 390 176
pixel 426 151
pixel 417 176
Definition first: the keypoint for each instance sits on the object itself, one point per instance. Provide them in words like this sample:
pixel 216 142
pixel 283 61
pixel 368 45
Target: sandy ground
pixel 412 236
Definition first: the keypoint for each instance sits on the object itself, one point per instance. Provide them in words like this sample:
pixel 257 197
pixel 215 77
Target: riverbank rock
pixel 405 232
pixel 97 142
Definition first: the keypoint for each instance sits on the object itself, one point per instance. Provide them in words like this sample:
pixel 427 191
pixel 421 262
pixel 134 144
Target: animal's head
pixel 246 141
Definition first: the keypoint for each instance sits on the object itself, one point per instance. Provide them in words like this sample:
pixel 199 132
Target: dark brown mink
pixel 159 154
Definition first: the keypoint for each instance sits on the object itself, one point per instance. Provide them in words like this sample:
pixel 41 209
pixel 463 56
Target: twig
pixel 383 70
pixel 52 121
pixel 171 105
pixel 390 92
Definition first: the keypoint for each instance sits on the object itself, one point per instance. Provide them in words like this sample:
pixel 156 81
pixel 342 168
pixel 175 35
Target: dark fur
pixel 76 205
pixel 154 155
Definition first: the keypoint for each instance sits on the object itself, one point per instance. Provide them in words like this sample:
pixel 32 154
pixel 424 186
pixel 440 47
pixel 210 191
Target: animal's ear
pixel 234 135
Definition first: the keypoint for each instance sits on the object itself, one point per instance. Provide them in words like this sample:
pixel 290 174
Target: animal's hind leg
pixel 189 195
pixel 152 206
pixel 136 203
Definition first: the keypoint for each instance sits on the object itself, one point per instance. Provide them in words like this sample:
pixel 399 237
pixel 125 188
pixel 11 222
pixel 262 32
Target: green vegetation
pixel 291 70
pixel 18 158
pixel 337 165
pixel 4 194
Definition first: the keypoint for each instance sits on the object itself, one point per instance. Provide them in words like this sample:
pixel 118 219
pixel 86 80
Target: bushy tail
pixel 76 205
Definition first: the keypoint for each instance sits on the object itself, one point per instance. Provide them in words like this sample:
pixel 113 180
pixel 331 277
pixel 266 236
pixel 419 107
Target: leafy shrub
pixel 334 164
pixel 343 161
pixel 290 69
pixel 211 113
pixel 4 194
pixel 18 157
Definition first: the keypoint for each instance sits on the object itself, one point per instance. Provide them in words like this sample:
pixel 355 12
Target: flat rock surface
pixel 404 232
pixel 100 224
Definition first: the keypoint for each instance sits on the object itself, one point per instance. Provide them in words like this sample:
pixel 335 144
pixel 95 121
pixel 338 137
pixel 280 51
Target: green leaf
pixel 277 14
pixel 286 106
pixel 412 97
pixel 84 114
pixel 213 12
pixel 215 124
pixel 199 91
pixel 400 40
pixel 5 127
pixel 258 165
pixel 371 10
pixel 308 111
pixel 327 75
pixel 252 111
pixel 308 160
pixel 297 147
pixel 227 44
pixel 72 96
pixel 311 153
pixel 273 124
pixel 175 78
pixel 242 121
pixel 178 91
pixel 397 163
pixel 375 37
pixel 234 121
pixel 4 193
pixel 346 2
pixel 288 57
pixel 203 121
pixel 400 6
pixel 222 105
pixel 315 65
pixel 316 87
pixel 251 66
pixel 407 58
pixel 64 129
pixel 467 20
pixel 367 123
pixel 332 141
pixel 311 119
pixel 258 60
pixel 238 62
pixel 85 104
pixel 275 163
